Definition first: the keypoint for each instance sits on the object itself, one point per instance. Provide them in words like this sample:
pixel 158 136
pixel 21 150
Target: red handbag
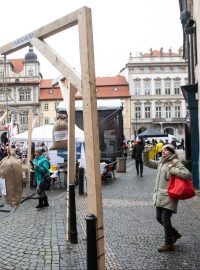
pixel 180 189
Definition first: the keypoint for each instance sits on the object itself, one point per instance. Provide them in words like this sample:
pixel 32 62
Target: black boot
pixel 45 202
pixel 40 205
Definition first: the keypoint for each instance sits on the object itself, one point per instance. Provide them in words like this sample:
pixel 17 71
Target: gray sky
pixel 119 27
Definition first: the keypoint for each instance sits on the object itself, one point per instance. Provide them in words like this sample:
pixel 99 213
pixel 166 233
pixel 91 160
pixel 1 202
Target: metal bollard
pixel 72 215
pixel 91 242
pixel 81 180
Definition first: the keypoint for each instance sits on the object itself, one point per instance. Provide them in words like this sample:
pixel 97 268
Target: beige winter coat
pixel 160 197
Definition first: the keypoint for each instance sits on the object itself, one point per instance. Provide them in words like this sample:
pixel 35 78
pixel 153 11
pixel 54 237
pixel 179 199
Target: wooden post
pixel 91 129
pixel 86 86
pixel 71 207
pixel 30 120
pixel 71 135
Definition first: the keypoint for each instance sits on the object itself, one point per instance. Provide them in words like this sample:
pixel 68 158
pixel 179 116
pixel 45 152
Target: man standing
pixel 137 154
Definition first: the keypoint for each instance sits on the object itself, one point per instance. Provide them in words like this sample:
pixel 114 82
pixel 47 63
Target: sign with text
pixel 22 40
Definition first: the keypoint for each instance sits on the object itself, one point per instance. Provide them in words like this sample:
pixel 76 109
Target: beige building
pixel 19 90
pixel 156 98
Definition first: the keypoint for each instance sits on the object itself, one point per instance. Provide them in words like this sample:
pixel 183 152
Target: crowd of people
pixel 154 146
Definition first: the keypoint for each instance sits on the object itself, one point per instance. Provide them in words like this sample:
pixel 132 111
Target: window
pixel 46 106
pixel 147 88
pixel 158 88
pixel 177 110
pixel 167 69
pixel 24 118
pixel 137 112
pixel 137 87
pixel 3 93
pixel 24 94
pixel 30 72
pixel 46 121
pixel 1 74
pixel 158 112
pixel 136 70
pixel 157 69
pixel 55 105
pixel 148 112
pixel 167 88
pixel 2 96
pixel 168 112
pixel 146 70
pixel 177 87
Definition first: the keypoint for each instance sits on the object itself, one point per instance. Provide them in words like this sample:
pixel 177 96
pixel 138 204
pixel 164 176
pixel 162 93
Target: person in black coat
pixel 137 154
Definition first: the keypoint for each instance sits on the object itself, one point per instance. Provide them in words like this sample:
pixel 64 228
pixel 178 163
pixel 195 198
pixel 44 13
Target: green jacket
pixel 42 168
pixel 160 197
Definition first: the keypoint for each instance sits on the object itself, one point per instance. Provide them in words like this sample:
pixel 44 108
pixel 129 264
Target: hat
pixel 39 150
pixel 169 147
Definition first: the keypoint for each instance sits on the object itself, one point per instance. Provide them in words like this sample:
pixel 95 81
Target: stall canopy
pixel 44 134
pixel 150 132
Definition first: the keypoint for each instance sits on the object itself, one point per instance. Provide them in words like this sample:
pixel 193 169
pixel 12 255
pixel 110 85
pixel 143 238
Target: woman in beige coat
pixel 165 206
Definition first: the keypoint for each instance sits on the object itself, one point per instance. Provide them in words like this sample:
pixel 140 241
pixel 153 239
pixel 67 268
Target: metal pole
pixel 72 233
pixel 91 242
pixel 136 125
pixel 81 180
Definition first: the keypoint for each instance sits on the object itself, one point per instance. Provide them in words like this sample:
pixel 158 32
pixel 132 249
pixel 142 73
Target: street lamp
pixel 136 117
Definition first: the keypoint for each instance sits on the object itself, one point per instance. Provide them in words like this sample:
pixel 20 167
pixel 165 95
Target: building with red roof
pixel 23 89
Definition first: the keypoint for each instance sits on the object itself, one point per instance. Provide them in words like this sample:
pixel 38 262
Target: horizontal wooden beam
pixel 46 31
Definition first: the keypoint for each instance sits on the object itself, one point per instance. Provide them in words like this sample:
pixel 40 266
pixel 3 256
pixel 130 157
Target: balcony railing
pixel 169 120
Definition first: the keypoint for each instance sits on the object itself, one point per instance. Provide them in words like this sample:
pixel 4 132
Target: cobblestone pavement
pixel 36 239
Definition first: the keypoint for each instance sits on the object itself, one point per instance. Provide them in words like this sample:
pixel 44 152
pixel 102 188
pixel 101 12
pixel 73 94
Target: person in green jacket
pixel 166 206
pixel 41 167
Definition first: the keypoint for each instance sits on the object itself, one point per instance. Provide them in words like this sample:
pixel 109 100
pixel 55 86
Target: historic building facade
pixel 156 98
pixel 19 89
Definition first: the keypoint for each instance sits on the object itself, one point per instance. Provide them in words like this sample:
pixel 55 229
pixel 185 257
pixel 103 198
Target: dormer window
pixel 30 72
pixel 51 91
pixel 115 89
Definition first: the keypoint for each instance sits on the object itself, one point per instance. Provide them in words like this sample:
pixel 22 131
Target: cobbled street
pixel 36 239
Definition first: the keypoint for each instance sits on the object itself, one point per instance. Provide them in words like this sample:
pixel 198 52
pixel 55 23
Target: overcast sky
pixel 119 27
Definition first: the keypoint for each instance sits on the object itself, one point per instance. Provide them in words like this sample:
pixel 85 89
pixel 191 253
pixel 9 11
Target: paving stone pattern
pixel 36 239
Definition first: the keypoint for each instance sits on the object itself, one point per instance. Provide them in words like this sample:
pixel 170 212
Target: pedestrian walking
pixel 125 149
pixel 182 144
pixel 41 166
pixel 159 146
pixel 165 206
pixel 137 154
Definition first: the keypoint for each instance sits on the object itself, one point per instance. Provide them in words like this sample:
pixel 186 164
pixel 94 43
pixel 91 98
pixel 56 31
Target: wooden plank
pixel 71 135
pixel 71 154
pixel 91 129
pixel 30 120
pixel 58 62
pixel 46 31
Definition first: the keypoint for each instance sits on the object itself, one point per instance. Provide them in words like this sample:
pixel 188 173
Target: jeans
pixel 163 216
pixel 139 164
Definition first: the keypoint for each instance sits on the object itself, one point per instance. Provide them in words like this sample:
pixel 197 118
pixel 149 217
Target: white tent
pixel 44 134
